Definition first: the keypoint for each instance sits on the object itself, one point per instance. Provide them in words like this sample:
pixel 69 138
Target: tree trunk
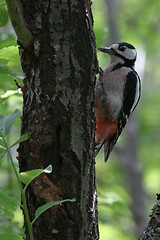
pixel 128 154
pixel 133 172
pixel 58 115
pixel 112 21
pixel 152 231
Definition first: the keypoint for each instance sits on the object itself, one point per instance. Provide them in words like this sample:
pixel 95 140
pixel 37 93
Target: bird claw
pixel 100 71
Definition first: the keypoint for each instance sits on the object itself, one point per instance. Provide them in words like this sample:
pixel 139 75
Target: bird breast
pixel 109 93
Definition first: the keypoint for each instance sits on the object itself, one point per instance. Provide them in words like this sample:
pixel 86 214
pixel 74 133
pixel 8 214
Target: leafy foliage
pixel 9 59
pixel 3 16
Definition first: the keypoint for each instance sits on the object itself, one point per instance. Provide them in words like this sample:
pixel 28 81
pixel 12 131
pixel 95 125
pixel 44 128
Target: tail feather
pixel 98 148
pixel 106 151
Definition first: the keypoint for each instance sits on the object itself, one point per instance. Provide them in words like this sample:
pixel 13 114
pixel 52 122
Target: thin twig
pixel 17 84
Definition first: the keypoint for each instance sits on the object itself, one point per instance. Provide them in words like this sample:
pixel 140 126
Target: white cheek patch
pixel 128 53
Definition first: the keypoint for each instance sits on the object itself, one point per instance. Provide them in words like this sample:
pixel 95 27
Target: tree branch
pixel 16 16
pixel 152 231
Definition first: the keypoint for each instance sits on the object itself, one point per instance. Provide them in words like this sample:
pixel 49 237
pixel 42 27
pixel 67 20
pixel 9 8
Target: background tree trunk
pixel 152 230
pixel 58 113
pixel 128 154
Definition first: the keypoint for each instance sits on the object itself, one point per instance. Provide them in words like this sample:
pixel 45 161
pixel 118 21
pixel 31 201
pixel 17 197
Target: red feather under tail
pixel 105 129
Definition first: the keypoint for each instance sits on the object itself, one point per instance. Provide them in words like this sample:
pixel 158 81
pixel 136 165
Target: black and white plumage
pixel 117 93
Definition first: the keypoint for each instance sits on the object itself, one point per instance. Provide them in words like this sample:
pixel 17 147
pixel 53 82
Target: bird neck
pixel 118 62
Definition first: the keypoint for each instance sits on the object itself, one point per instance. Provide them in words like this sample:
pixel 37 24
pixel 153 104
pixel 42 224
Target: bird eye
pixel 122 48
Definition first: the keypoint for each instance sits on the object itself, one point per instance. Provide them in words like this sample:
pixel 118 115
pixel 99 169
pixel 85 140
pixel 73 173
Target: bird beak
pixel 107 50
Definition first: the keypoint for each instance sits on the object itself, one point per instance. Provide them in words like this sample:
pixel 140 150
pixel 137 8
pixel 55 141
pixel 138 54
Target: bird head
pixel 122 50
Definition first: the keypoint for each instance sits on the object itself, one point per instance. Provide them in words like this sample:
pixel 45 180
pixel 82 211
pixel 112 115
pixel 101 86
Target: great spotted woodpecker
pixel 117 93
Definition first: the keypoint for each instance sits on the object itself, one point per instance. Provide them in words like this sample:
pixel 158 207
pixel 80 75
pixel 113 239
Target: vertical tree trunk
pixel 152 231
pixel 133 171
pixel 112 20
pixel 58 113
pixel 129 153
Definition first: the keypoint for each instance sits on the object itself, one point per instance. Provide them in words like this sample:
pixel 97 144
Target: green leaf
pixel 6 122
pixel 48 169
pixel 9 57
pixel 8 94
pixel 23 138
pixel 3 16
pixel 7 204
pixel 10 236
pixel 2 154
pixel 46 206
pixel 2 151
pixel 2 148
pixel 6 199
pixel 29 176
pixel 10 41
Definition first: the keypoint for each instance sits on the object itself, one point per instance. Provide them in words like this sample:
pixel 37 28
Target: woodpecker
pixel 117 93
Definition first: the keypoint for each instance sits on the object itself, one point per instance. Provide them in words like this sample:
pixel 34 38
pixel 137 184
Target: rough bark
pixel 58 115
pixel 152 231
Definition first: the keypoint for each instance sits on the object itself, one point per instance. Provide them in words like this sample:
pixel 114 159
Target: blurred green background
pixel 127 184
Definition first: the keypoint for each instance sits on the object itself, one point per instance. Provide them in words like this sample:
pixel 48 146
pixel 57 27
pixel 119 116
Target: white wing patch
pixel 138 92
